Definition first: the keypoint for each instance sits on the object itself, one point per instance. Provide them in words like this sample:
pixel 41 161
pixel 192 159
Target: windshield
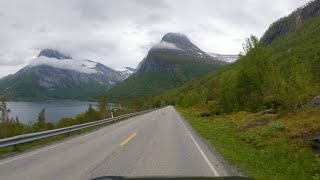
pixel 159 89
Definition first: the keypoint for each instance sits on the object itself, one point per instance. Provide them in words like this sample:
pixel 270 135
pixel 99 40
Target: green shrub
pixel 276 126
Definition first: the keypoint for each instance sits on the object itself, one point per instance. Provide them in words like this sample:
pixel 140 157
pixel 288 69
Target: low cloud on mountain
pixel 69 64
pixel 119 33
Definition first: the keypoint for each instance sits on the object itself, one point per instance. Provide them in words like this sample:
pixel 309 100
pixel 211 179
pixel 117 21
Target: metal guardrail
pixel 12 141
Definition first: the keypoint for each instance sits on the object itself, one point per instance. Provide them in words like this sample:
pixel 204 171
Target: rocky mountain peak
pixel 50 53
pixel 181 41
pixel 175 38
pixel 174 46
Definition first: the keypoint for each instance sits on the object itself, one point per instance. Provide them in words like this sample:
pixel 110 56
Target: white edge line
pixel 214 171
pixel 50 147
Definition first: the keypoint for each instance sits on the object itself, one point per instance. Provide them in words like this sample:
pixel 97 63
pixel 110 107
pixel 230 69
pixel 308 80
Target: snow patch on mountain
pixel 226 58
pixel 126 72
pixel 83 66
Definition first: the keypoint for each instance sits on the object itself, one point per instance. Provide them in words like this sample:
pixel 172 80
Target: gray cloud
pixel 7 60
pixel 151 3
pixel 18 26
pixel 119 33
pixel 93 10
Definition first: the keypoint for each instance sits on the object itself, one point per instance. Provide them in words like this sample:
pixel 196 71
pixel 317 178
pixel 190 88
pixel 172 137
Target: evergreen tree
pixel 42 120
pixel 103 107
pixel 11 127
pixel 18 127
pixel 90 113
pixel 5 111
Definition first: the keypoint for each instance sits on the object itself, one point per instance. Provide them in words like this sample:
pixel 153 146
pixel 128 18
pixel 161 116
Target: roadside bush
pixel 276 126
pixel 253 139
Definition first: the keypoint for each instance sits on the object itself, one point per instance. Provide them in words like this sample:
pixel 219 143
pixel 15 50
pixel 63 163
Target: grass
pixel 270 150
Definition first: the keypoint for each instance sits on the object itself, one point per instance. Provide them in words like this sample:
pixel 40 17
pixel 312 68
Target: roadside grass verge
pixel 266 146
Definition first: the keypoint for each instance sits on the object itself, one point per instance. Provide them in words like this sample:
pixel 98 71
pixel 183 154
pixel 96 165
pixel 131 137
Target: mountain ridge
pixel 54 75
pixel 170 63
pixel 290 23
pixel 51 53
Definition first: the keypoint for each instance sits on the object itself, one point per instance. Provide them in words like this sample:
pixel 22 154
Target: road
pixel 159 143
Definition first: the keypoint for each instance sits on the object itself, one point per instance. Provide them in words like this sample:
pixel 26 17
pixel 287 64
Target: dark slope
pixel 292 22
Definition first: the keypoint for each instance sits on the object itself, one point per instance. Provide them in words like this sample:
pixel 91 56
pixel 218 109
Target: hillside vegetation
pixel 284 75
pixel 228 107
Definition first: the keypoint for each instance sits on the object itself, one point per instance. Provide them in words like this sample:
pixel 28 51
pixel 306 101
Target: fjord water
pixel 55 109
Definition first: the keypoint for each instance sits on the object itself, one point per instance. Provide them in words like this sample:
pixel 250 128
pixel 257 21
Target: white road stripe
pixel 213 170
pixel 50 147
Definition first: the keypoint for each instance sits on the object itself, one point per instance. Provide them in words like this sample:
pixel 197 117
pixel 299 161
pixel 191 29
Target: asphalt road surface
pixel 159 143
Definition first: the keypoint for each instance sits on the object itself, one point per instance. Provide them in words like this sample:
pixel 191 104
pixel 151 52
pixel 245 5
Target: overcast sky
pixel 119 33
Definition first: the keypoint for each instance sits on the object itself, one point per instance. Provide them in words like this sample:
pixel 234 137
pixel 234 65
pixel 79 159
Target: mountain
pixel 275 83
pixel 170 63
pixel 291 23
pixel 54 75
pixel 50 53
pixel 126 72
pixel 283 75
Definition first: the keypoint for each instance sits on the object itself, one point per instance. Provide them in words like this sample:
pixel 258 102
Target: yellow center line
pixel 129 138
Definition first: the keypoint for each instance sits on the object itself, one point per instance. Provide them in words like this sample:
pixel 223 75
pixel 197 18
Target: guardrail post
pixel 15 147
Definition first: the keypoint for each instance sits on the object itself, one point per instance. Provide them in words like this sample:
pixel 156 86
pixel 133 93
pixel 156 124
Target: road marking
pixel 128 139
pixel 214 171
pixel 50 147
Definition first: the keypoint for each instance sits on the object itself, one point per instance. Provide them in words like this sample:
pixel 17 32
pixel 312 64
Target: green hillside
pixel 228 108
pixel 284 75
pixel 171 70
pixel 17 86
